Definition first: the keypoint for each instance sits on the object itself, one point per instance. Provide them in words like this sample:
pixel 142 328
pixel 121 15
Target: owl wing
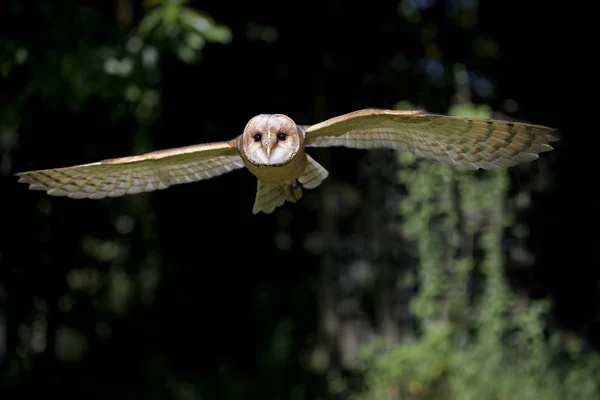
pixel 143 173
pixel 470 142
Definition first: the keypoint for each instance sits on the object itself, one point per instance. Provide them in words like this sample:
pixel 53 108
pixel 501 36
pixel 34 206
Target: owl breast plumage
pixel 272 147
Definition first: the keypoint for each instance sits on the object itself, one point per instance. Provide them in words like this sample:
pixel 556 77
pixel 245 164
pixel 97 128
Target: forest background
pixel 397 278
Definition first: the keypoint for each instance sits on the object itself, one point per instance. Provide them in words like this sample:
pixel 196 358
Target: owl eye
pixel 281 136
pixel 257 137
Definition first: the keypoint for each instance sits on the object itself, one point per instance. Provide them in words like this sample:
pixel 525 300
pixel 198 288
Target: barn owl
pixel 272 147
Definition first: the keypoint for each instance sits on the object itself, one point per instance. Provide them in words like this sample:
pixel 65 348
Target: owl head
pixel 271 140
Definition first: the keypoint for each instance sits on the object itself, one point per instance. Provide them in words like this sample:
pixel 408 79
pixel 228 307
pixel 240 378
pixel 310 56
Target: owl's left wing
pixel 143 173
pixel 470 142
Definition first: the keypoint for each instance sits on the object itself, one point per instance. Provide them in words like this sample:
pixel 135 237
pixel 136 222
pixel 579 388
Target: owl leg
pixel 269 197
pixel 313 175
pixel 293 191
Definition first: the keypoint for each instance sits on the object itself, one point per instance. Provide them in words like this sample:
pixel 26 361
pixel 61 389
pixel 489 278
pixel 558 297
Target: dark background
pixel 186 285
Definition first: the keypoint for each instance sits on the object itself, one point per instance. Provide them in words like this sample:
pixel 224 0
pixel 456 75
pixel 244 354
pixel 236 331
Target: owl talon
pixel 293 192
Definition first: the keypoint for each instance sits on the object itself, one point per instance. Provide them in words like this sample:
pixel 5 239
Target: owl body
pixel 279 174
pixel 272 148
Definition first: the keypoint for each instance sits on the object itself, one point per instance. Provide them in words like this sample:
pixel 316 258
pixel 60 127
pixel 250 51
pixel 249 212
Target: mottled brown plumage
pixel 272 147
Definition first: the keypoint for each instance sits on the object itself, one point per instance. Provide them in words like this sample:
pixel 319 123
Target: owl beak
pixel 268 151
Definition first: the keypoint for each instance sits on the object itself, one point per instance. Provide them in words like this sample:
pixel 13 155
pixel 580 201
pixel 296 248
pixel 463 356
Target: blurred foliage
pixel 119 74
pixel 128 70
pixel 181 28
pixel 441 365
pixel 475 338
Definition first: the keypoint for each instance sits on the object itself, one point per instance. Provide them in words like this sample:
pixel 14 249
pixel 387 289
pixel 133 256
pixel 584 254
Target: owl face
pixel 271 140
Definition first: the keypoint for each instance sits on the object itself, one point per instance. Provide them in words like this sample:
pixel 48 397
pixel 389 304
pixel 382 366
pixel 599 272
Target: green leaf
pixel 150 22
pixel 218 33
pixel 187 54
pixel 195 41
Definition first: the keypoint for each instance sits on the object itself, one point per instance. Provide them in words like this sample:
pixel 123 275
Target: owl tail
pixel 269 197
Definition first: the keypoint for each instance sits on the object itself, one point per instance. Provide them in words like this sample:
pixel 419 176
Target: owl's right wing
pixel 144 173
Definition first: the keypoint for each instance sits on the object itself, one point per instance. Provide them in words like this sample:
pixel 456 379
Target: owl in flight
pixel 272 147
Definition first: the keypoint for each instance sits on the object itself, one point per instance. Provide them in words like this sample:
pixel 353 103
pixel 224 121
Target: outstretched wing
pixel 144 173
pixel 470 142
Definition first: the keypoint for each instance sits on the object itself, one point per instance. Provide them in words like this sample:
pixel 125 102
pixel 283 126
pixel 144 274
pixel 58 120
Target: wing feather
pixel 470 142
pixel 144 173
